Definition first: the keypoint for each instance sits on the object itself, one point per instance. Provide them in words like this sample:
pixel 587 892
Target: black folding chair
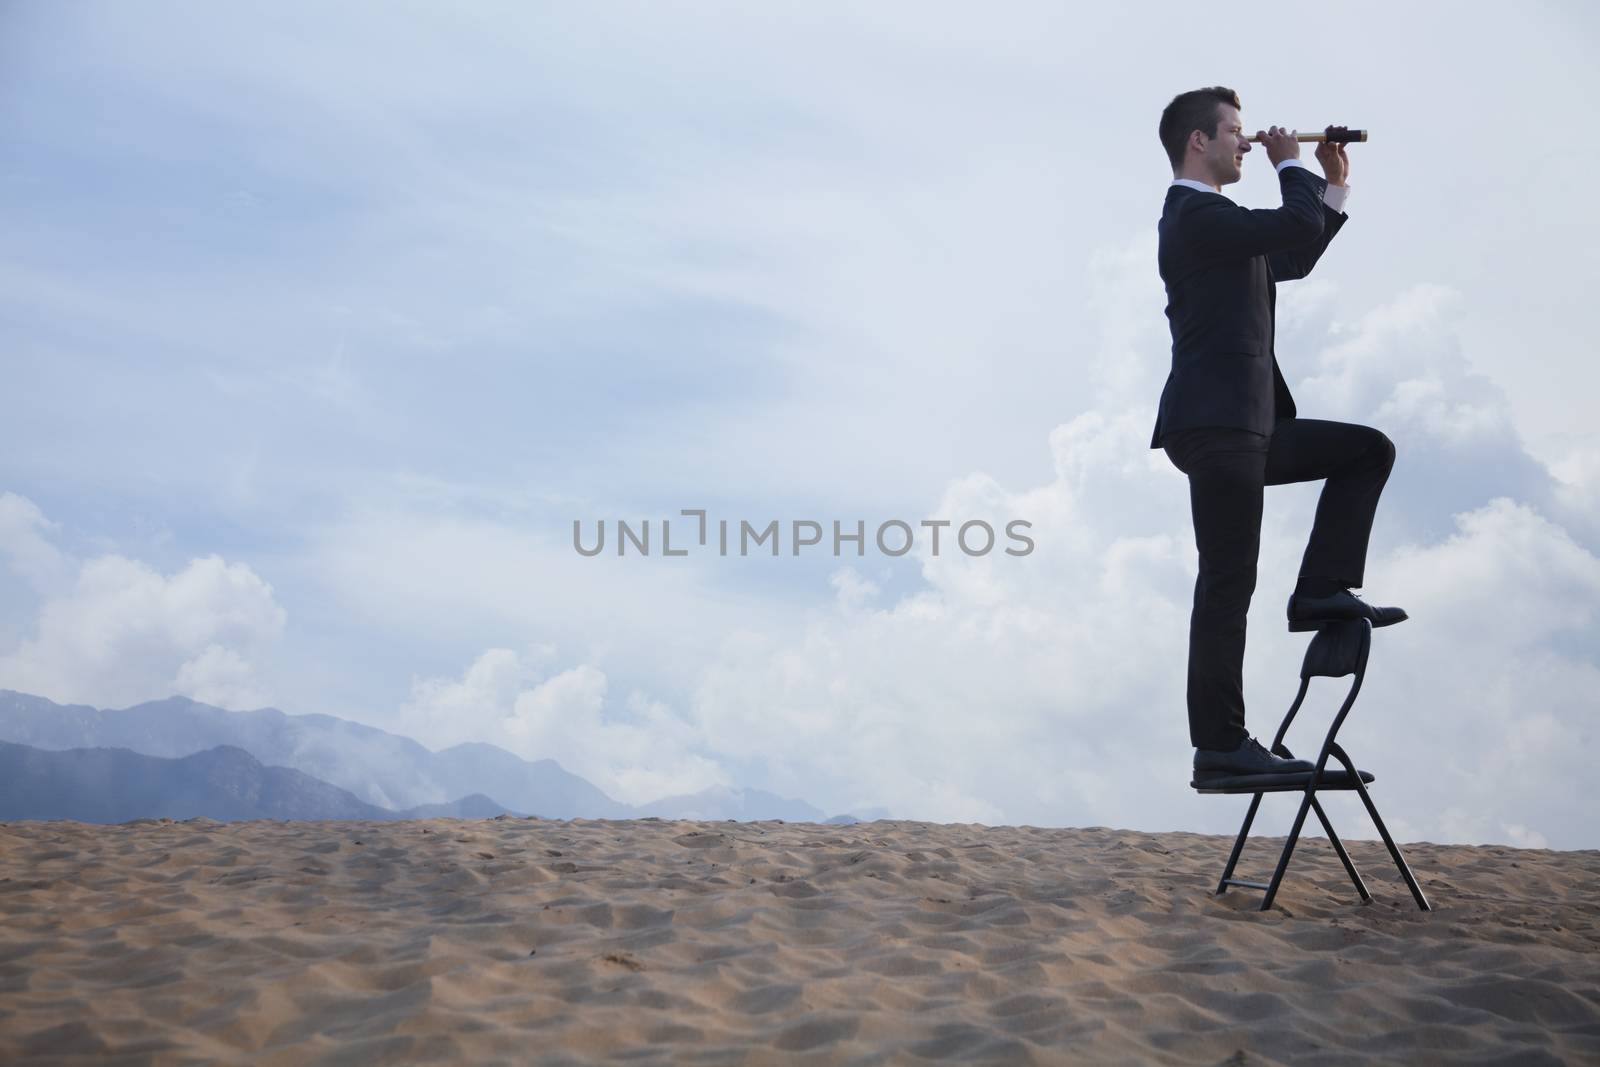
pixel 1335 651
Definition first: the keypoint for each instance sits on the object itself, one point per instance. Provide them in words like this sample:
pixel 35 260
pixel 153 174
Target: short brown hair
pixel 1196 109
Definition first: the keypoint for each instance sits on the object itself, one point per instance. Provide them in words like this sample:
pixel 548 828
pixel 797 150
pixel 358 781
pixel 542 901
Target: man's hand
pixel 1335 163
pixel 1280 143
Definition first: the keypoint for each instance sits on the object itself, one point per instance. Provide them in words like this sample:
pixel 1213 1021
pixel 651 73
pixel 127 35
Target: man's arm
pixel 1221 228
pixel 1292 263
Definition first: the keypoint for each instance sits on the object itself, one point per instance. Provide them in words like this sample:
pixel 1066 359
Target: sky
pixel 321 326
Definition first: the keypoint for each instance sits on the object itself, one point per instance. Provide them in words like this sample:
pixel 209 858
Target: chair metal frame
pixel 1335 651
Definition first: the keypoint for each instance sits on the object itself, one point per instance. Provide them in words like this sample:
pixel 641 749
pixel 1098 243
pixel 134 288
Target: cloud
pixel 1493 682
pixel 120 632
pixel 1577 491
pixel 1010 688
pixel 25 542
pixel 1401 366
pixel 222 677
pixel 636 753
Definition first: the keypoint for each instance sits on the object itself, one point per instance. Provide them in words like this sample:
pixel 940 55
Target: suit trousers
pixel 1227 470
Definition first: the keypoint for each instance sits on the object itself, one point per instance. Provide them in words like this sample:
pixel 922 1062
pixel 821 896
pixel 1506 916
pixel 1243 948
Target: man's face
pixel 1225 153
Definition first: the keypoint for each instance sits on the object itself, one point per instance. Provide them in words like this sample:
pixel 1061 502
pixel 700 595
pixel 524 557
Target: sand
pixel 646 941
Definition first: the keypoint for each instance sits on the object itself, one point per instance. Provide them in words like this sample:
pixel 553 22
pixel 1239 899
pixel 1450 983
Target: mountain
pixel 538 786
pixel 111 785
pixel 476 806
pixel 380 768
pixel 107 785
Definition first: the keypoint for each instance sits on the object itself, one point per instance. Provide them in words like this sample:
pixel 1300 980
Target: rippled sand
pixel 522 940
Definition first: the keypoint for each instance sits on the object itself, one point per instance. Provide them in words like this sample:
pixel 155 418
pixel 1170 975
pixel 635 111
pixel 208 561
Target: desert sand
pixel 525 940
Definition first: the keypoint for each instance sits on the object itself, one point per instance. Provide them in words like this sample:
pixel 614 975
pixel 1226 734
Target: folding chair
pixel 1335 651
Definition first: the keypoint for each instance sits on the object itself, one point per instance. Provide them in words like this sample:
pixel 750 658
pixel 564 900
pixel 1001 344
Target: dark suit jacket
pixel 1221 262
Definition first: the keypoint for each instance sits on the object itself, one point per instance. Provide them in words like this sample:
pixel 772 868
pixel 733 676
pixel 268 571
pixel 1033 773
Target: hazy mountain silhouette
pixel 381 771
pixel 380 768
pixel 108 785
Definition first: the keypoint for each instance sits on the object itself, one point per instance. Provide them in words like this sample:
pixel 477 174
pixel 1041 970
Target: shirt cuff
pixel 1334 195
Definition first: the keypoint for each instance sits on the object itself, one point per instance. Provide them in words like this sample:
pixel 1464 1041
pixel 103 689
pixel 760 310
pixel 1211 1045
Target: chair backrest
pixel 1338 650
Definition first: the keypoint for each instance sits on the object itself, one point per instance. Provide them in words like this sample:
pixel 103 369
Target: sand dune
pixel 522 940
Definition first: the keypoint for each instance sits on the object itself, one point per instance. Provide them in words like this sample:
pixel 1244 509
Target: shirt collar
pixel 1190 183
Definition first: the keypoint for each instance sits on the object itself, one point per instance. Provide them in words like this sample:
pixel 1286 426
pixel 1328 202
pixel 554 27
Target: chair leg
pixel 1238 844
pixel 1288 846
pixel 1394 850
pixel 1344 857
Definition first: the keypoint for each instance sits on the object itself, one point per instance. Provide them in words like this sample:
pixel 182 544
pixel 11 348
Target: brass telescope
pixel 1336 134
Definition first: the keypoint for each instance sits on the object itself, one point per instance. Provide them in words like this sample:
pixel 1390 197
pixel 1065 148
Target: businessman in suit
pixel 1227 421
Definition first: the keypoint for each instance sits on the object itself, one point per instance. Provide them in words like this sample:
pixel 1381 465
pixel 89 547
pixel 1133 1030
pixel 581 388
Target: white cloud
pixel 637 753
pixel 25 541
pixel 1577 491
pixel 1402 367
pixel 121 632
pixel 222 677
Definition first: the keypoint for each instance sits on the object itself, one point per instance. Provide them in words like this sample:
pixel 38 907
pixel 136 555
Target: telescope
pixel 1335 134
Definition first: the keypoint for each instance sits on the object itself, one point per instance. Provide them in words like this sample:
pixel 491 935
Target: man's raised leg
pixel 1356 461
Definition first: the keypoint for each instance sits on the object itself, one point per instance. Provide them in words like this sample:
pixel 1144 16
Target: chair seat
pixel 1332 778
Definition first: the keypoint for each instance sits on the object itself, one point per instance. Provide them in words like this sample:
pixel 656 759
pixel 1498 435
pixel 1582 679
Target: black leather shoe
pixel 1251 757
pixel 1315 612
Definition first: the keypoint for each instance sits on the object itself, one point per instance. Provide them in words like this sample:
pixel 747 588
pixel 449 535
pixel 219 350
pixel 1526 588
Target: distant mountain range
pixel 177 755
pixel 105 785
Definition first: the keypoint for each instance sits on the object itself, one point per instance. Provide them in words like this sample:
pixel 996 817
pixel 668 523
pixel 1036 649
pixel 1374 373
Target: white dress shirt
pixel 1334 196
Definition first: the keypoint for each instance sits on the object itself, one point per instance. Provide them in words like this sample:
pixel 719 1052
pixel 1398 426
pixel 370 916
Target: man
pixel 1227 421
